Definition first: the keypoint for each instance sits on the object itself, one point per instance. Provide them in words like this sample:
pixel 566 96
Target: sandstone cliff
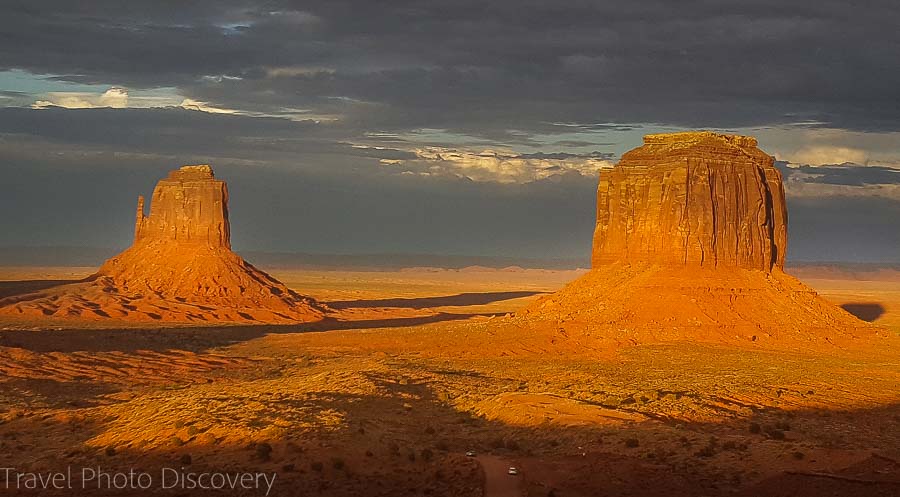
pixel 690 244
pixel 699 198
pixel 180 268
pixel 189 207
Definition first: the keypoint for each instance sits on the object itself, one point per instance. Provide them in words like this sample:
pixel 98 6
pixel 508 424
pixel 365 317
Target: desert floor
pixel 373 402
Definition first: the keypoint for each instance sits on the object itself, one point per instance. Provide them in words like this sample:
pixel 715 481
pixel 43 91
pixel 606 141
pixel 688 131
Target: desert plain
pixel 380 398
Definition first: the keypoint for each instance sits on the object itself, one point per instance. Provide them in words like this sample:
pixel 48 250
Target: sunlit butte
pixel 483 249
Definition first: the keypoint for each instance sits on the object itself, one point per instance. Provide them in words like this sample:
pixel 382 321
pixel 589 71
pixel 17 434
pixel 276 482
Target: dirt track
pixel 498 483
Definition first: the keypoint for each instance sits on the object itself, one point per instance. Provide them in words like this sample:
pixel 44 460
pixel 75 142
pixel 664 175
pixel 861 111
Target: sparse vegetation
pixel 263 451
pixel 774 433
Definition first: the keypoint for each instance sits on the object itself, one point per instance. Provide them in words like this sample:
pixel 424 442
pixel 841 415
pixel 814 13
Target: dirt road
pixel 497 483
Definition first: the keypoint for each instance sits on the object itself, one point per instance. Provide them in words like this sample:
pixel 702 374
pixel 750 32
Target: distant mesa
pixel 690 244
pixel 180 268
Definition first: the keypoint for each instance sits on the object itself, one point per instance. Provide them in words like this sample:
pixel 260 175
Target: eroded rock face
pixel 690 245
pixel 189 207
pixel 695 199
pixel 180 268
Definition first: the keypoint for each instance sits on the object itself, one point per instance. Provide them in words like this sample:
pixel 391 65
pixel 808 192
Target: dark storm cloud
pixel 378 81
pixel 844 228
pixel 842 174
pixel 178 134
pixel 566 155
pixel 323 203
pixel 71 186
pixel 485 67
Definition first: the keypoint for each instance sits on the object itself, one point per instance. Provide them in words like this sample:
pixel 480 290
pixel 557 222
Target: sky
pixel 437 127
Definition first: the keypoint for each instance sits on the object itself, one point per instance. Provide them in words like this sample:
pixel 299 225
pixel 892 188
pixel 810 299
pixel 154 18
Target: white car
pixel 512 471
pixel 470 453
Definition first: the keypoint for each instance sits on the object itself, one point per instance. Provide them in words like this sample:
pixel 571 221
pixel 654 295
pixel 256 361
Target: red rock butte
pixel 689 244
pixel 189 207
pixel 701 199
pixel 180 268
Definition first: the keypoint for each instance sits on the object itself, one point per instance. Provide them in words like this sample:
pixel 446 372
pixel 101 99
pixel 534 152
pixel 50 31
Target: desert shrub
pixel 798 455
pixel 631 443
pixel 429 430
pixel 393 448
pixel 441 445
pixel 110 451
pixel 369 453
pixel 729 445
pixel 186 459
pixel 411 455
pixel 316 466
pixel 707 451
pixel 337 463
pixel 755 428
pixel 775 433
pixel 512 445
pixel 783 426
pixel 497 443
pixel 264 451
pixel 288 468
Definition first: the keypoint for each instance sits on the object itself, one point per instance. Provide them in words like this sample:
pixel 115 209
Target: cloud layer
pixel 445 126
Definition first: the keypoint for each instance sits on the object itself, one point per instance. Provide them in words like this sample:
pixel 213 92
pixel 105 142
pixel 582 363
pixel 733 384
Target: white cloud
pixel 817 155
pixel 842 181
pixel 191 104
pixel 115 97
pixel 493 165
pixel 803 189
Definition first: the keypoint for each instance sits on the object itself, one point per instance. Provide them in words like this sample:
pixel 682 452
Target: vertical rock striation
pixel 189 207
pixel 690 245
pixel 694 199
pixel 180 268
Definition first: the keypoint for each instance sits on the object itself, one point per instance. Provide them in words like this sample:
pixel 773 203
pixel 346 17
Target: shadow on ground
pixel 410 440
pixel 461 299
pixel 867 311
pixel 194 339
pixel 22 287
